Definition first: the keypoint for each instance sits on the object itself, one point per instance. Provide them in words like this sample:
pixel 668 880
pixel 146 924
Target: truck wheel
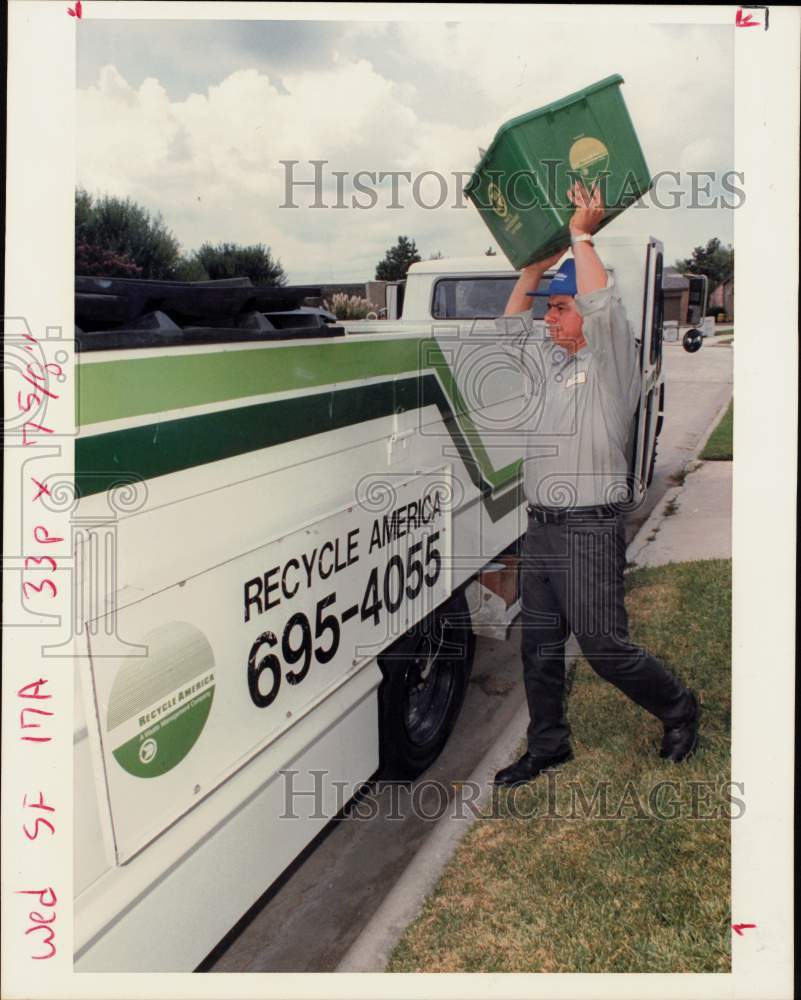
pixel 426 673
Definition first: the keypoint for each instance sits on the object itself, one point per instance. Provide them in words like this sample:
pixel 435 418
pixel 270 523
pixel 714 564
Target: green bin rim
pixel 615 80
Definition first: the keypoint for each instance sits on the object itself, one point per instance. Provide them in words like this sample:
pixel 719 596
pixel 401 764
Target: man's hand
pixel 589 212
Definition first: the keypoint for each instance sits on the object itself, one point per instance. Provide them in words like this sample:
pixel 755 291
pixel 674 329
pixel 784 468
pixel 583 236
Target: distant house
pixel 723 297
pixel 676 293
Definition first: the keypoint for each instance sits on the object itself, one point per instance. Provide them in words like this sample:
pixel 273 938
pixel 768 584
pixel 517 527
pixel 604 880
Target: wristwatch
pixel 583 238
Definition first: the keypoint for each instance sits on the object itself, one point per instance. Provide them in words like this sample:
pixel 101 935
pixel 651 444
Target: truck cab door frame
pixel 650 412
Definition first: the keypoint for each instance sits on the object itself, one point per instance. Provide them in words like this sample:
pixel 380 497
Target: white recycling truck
pixel 278 519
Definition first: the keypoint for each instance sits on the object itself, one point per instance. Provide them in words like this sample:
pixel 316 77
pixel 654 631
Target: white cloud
pixel 414 96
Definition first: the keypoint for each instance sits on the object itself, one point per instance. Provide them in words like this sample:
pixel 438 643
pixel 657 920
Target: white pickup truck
pixel 277 522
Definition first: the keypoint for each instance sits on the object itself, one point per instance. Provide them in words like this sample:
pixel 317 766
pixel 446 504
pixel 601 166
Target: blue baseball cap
pixel 563 282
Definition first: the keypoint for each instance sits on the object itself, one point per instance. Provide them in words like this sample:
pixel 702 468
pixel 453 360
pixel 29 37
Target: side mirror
pixel 692 341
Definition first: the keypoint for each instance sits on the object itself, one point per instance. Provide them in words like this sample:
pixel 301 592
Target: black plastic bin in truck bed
pixel 129 313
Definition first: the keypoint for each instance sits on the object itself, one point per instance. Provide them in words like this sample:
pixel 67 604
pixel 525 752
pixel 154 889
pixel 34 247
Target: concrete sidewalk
pixel 691 522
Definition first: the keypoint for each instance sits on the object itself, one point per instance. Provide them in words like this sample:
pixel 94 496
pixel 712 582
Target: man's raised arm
pixel 590 272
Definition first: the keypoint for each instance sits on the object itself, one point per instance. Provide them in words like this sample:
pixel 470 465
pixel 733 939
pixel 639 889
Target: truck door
pixel 394 293
pixel 648 420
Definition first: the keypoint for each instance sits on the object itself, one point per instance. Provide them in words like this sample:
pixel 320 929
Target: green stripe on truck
pixel 113 390
pixel 105 460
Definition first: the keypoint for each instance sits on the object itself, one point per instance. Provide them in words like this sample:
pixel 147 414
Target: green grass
pixel 539 886
pixel 719 447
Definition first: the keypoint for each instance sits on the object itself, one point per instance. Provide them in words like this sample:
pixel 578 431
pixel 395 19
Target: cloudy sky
pixel 193 119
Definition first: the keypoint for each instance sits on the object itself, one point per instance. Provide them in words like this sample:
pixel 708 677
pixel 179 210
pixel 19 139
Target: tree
pixel 83 210
pixel 713 260
pixel 230 260
pixel 190 269
pixel 115 235
pixel 397 260
pixel 437 255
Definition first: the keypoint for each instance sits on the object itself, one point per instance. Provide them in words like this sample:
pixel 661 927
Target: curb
pixel 642 539
pixel 651 525
pixel 371 950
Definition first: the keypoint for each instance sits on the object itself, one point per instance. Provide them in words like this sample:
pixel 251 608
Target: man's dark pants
pixel 572 580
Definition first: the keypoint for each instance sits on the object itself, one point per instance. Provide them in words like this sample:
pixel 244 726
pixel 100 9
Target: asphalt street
pixel 308 921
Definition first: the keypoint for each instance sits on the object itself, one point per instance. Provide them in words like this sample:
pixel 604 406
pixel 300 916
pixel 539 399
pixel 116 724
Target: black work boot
pixel 680 741
pixel 529 766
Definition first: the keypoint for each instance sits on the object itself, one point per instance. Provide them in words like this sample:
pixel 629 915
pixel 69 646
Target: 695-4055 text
pixel 385 591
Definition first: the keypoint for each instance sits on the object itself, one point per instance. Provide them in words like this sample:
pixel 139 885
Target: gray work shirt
pixel 578 434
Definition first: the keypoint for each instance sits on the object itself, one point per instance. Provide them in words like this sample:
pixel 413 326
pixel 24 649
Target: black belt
pixel 558 515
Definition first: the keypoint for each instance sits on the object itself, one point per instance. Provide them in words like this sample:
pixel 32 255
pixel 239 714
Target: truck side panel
pixel 188 521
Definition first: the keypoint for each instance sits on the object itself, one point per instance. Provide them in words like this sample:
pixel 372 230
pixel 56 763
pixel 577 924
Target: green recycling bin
pixel 520 185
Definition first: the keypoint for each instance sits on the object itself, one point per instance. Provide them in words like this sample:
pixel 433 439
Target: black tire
pixel 426 673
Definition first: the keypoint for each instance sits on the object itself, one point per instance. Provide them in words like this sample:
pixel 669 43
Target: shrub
pixel 190 269
pixel 96 261
pixel 232 260
pixel 349 306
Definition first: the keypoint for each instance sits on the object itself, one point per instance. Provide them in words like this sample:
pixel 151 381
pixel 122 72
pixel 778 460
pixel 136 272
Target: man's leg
pixel 593 601
pixel 543 647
